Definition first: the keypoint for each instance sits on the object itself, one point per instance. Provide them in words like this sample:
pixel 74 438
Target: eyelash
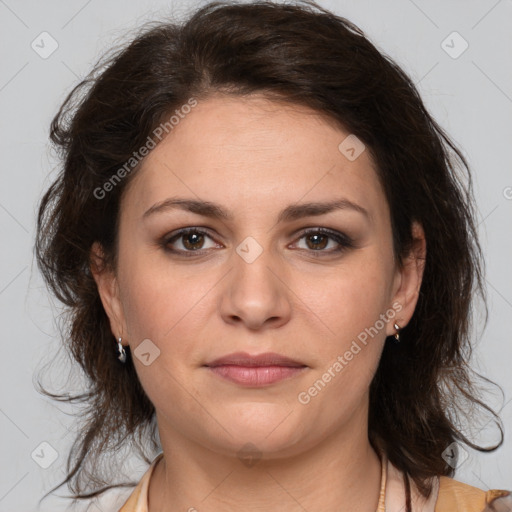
pixel 344 241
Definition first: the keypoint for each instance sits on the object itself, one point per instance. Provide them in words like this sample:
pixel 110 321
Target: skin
pixel 255 157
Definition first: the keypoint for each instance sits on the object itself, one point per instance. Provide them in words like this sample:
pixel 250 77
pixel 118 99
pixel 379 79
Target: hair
pixel 300 54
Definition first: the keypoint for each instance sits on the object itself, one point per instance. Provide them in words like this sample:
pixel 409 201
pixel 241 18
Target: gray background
pixel 470 96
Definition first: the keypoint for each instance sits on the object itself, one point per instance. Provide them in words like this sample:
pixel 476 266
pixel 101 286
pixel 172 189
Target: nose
pixel 256 293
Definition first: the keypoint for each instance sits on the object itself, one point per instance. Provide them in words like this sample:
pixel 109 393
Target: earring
pixel 122 352
pixel 397 333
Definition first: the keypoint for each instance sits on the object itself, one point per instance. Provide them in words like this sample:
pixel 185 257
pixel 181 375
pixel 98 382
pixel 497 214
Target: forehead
pixel 256 153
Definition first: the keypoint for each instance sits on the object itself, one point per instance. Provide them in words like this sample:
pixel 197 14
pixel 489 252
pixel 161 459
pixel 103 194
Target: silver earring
pixel 122 352
pixel 397 333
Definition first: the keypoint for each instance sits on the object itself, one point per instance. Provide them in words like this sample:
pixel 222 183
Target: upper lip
pixel 244 359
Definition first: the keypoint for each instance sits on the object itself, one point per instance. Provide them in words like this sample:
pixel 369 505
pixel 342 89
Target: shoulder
pixel 138 499
pixel 455 496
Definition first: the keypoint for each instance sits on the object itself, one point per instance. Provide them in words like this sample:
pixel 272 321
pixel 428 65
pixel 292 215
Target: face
pixel 317 285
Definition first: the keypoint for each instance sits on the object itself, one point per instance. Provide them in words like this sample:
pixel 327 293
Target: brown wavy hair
pixel 300 54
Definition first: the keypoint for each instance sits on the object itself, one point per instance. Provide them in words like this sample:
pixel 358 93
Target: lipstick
pixel 255 370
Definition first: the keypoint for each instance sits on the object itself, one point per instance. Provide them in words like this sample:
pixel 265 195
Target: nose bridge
pixel 252 262
pixel 255 292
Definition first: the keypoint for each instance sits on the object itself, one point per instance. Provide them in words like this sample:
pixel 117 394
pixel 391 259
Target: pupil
pixel 315 244
pixel 197 238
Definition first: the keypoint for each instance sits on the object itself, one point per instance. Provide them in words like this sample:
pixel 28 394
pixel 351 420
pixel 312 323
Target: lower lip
pixel 256 376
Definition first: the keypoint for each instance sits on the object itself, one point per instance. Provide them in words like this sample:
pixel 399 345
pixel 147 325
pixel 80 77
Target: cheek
pixel 349 349
pixel 350 299
pixel 164 302
pixel 166 306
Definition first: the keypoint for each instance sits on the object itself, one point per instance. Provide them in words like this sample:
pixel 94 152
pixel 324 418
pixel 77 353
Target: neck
pixel 342 474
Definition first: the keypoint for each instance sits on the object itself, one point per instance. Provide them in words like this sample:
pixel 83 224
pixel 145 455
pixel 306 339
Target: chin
pixel 273 435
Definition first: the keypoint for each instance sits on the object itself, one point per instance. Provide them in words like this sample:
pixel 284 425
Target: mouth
pixel 255 370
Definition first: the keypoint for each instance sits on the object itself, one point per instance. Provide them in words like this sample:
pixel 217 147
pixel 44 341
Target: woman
pixel 268 259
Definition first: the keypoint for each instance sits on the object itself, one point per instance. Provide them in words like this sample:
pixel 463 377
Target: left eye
pixel 319 240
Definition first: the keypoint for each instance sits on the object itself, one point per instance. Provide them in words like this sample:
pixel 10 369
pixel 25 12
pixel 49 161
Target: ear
pixel 408 279
pixel 108 290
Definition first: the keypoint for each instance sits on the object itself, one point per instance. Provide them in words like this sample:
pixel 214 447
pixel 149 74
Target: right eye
pixel 191 240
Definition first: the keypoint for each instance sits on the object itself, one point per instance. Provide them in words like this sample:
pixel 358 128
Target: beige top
pixel 448 495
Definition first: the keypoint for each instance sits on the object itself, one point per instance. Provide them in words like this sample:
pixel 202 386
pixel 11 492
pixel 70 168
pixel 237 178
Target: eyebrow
pixel 288 214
